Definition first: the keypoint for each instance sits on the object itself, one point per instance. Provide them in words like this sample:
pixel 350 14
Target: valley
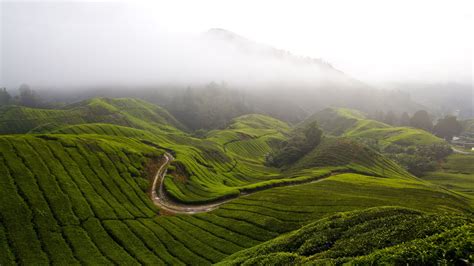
pixel 118 181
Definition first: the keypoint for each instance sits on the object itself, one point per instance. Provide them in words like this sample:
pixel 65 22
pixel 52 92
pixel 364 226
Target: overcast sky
pixel 374 41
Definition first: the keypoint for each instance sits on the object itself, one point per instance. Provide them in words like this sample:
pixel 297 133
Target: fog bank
pixel 86 44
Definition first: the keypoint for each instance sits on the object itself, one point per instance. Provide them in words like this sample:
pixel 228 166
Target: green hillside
pixel 102 129
pixel 416 150
pixel 352 123
pixel 214 166
pixel 77 190
pixel 346 153
pixel 119 111
pixel 378 235
pixel 456 173
pixel 56 188
pixel 81 199
pixel 468 126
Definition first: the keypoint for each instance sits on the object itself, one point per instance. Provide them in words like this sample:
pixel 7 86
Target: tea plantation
pixel 75 189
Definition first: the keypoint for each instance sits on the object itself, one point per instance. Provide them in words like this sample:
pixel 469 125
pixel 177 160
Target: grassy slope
pixel 468 125
pixel 86 188
pixel 456 174
pixel 56 189
pixel 345 153
pixel 121 111
pixel 388 235
pixel 351 123
pixel 213 173
pixel 79 199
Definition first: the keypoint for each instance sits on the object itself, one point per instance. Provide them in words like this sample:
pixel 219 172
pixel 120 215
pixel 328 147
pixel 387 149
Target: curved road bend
pixel 164 202
pixel 460 151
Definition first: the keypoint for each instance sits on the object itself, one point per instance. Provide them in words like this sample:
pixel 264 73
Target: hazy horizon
pixel 121 43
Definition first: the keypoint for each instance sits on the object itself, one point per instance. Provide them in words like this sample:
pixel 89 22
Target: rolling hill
pixel 76 190
pixel 367 237
pixel 456 173
pixel 120 111
pixel 352 123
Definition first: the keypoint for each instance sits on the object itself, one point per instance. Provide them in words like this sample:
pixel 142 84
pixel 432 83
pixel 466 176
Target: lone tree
pixel 421 119
pixel 447 127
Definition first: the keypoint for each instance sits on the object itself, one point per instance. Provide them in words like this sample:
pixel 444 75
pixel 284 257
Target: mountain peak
pixel 252 47
pixel 224 33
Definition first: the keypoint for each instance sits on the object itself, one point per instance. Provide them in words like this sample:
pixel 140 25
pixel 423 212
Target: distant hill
pixel 250 47
pixel 350 155
pixel 440 99
pixel 353 123
pixel 120 111
pixel 311 83
pixel 232 75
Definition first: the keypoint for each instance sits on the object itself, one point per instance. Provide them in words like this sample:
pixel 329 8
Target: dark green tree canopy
pixel 390 118
pixel 302 141
pixel 28 97
pixel 421 119
pixel 4 96
pixel 404 119
pixel 448 127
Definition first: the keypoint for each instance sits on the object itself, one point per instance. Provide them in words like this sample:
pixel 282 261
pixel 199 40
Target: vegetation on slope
pixel 120 111
pixel 78 188
pixel 415 149
pixel 214 164
pixel 225 163
pixel 336 121
pixel 301 141
pixel 378 235
pixel 55 188
pixel 468 126
pixel 352 123
pixel 350 155
pixel 77 195
pixel 456 173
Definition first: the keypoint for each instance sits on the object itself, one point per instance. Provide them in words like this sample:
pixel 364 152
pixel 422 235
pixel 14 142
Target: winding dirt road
pixel 460 151
pixel 164 202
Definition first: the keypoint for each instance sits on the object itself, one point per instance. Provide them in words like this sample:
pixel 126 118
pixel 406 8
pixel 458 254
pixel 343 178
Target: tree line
pixel 446 127
pixel 26 97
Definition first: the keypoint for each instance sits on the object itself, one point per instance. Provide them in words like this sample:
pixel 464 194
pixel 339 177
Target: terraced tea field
pixel 352 237
pixel 81 193
pixel 456 174
pixel 354 124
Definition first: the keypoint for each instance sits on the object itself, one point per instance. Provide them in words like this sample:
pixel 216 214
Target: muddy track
pixel 170 205
pixel 161 200
pixel 460 151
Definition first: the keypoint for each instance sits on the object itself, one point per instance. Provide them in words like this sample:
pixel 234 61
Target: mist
pixel 70 45
pixel 67 45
